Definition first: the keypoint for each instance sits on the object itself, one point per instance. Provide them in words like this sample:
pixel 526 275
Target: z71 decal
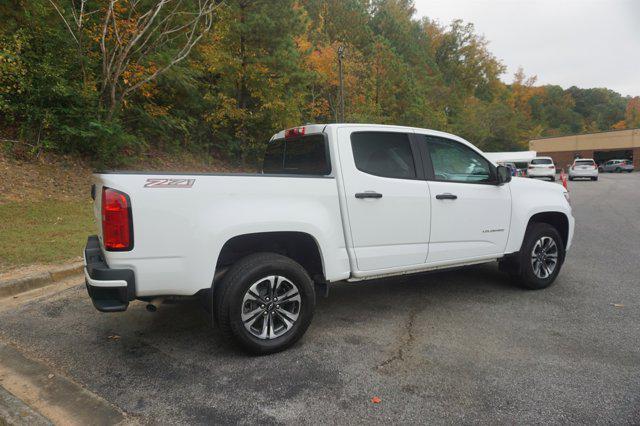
pixel 169 183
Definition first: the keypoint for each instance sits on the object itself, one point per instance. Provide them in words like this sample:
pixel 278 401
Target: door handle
pixel 368 194
pixel 446 196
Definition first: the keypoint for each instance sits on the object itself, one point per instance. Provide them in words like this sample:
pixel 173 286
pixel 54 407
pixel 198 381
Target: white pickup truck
pixel 332 202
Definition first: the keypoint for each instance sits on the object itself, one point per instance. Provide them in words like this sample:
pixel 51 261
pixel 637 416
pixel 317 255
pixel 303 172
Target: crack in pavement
pixel 404 343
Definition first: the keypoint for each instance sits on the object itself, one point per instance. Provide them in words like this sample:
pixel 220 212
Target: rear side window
pixel 383 154
pixel 541 161
pixel 306 155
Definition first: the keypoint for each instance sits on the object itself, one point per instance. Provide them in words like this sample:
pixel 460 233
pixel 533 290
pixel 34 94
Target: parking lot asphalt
pixel 462 346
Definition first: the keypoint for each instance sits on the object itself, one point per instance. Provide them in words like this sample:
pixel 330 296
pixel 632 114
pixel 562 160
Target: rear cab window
pixel 301 155
pixel 541 161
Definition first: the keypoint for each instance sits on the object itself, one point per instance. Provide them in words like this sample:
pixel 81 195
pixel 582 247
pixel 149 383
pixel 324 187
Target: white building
pixel 511 157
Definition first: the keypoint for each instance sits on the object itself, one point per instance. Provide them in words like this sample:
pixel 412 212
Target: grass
pixel 43 231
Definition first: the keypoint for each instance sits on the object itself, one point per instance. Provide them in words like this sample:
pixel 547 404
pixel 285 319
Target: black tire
pixel 552 178
pixel 524 275
pixel 594 178
pixel 230 292
pixel 618 170
pixel 570 178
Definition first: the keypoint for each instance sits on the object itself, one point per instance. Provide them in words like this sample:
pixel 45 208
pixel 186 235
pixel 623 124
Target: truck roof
pixel 320 128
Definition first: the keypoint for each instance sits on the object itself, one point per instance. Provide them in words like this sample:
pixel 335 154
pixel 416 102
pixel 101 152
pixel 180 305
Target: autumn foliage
pixel 256 67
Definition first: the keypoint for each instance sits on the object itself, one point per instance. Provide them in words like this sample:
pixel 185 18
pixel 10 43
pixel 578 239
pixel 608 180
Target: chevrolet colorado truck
pixel 332 202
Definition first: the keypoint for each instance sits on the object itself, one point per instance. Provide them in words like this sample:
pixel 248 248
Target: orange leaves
pixel 134 73
pixel 620 125
pixel 632 114
pixel 522 90
pixel 323 60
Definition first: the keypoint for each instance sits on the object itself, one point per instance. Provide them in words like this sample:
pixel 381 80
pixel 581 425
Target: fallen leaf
pixel 618 305
pixel 113 337
pixel 50 376
pixel 376 400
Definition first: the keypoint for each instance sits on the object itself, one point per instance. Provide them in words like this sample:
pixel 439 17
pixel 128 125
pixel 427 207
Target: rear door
pixel 387 198
pixel 470 213
pixel 583 165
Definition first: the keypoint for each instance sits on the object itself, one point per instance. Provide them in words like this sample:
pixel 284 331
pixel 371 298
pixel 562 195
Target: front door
pixel 387 198
pixel 470 213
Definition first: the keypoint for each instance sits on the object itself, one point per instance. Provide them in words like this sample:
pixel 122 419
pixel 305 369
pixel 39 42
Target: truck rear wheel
pixel 540 258
pixel 265 303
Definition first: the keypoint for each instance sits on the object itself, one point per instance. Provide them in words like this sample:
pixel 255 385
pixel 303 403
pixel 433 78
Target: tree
pixel 258 74
pixel 134 37
pixel 112 79
pixel 632 115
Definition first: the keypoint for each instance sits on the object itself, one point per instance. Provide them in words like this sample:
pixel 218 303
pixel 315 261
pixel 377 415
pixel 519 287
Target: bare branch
pixel 66 23
pixel 129 37
pixel 106 63
pixel 193 38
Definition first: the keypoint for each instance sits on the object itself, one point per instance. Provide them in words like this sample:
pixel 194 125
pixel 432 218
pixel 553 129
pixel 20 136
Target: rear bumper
pixel 110 290
pixel 541 173
pixel 583 173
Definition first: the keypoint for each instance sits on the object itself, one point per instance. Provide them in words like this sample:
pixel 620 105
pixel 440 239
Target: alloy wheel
pixel 544 257
pixel 271 307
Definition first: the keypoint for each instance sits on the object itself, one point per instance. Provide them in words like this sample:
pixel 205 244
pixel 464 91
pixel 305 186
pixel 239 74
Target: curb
pixel 55 397
pixel 20 285
pixel 13 411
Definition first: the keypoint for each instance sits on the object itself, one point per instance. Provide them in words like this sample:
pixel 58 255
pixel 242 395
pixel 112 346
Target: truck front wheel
pixel 265 302
pixel 540 257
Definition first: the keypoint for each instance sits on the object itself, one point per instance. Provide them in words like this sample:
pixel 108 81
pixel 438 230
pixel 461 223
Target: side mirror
pixel 504 176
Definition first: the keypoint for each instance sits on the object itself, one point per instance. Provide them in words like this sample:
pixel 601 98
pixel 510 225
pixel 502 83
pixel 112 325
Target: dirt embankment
pixel 68 177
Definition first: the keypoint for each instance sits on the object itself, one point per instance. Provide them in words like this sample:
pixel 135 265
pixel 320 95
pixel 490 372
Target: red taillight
pixel 117 227
pixel 292 133
pixel 551 167
pixel 531 167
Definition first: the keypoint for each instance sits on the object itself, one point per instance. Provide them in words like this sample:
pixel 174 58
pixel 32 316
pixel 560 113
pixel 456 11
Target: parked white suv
pixel 333 202
pixel 542 167
pixel 583 168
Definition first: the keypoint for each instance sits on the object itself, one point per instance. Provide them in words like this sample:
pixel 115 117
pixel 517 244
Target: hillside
pixel 45 207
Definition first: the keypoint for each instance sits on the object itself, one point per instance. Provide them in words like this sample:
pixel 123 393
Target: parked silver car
pixel 583 168
pixel 617 166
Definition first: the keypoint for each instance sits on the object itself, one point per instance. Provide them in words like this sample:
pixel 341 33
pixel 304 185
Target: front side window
pixel 306 155
pixel 456 162
pixel 383 154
